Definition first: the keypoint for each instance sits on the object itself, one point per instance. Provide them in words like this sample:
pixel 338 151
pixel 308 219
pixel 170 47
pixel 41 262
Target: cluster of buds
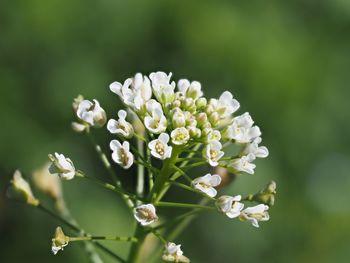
pixel 183 130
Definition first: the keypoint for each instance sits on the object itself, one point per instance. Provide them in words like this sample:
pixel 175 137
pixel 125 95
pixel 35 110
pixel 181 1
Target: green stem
pixel 183 205
pixel 115 238
pixel 109 169
pixel 164 174
pixel 135 250
pixel 140 169
pixel 189 188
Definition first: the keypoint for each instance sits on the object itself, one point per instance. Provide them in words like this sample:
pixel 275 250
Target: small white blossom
pixel 212 152
pixel 180 136
pixel 225 105
pixel 255 214
pixel 159 147
pixel 145 214
pixel 91 113
pixel 173 253
pixel 254 148
pixel 230 205
pixel 135 92
pixel 192 90
pixel 213 135
pixel 62 166
pixel 120 126
pixel 156 122
pixel 21 186
pixel 178 118
pixel 59 241
pixel 162 87
pixel 121 153
pixel 242 129
pixel 207 183
pixel 244 164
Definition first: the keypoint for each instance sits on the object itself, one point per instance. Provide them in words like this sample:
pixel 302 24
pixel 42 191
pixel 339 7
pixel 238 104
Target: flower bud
pixel 20 188
pixel 202 118
pixel 214 118
pixel 201 103
pixel 267 195
pixel 176 103
pixel 178 119
pixel 91 113
pixel 59 241
pixel 194 132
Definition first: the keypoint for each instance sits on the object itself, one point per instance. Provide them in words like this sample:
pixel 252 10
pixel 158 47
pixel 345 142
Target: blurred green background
pixel 287 62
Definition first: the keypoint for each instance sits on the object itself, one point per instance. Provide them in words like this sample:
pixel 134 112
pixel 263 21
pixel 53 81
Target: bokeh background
pixel 287 62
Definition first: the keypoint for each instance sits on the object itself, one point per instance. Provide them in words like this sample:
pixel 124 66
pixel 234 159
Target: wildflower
pixel 243 164
pixel 254 148
pixel 180 136
pixel 207 183
pixel 173 253
pixel 242 129
pixel 162 88
pixel 191 90
pixel 121 153
pixel 156 122
pixel 59 241
pixel 135 92
pixel 62 166
pixel 91 113
pixel 21 186
pixel 121 126
pixel 230 205
pixel 50 185
pixel 212 152
pixel 159 147
pixel 145 214
pixel 255 214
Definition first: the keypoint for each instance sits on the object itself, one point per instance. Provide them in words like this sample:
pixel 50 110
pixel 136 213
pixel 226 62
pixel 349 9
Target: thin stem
pixel 187 177
pixel 177 219
pixel 115 238
pixel 109 169
pixel 135 250
pixel 108 186
pixel 183 205
pixel 193 165
pixel 140 169
pixel 75 228
pixel 189 188
pixel 159 236
pixel 150 173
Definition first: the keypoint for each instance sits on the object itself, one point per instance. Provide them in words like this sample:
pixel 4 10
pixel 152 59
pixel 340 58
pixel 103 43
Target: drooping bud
pixel 266 195
pixel 59 241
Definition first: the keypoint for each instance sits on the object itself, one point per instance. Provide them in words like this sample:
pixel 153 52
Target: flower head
pixel 59 241
pixel 121 153
pixel 212 152
pixel 160 148
pixel 180 136
pixel 173 253
pixel 255 214
pixel 62 166
pixel 254 148
pixel 230 205
pixel 21 186
pixel 91 113
pixel 145 214
pixel 121 126
pixel 207 183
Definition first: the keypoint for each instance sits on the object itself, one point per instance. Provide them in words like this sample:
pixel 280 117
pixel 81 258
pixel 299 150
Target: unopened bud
pixel 201 103
pixel 267 195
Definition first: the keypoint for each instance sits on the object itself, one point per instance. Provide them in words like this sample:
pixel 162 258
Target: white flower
pixel 156 122
pixel 207 183
pixel 159 147
pixel 242 129
pixel 212 152
pixel 21 186
pixel 145 214
pixel 91 113
pixel 121 153
pixel 180 136
pixel 225 105
pixel 253 148
pixel 255 214
pixel 62 166
pixel 59 241
pixel 135 92
pixel 173 253
pixel 162 88
pixel 121 126
pixel 244 164
pixel 230 205
pixel 192 90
